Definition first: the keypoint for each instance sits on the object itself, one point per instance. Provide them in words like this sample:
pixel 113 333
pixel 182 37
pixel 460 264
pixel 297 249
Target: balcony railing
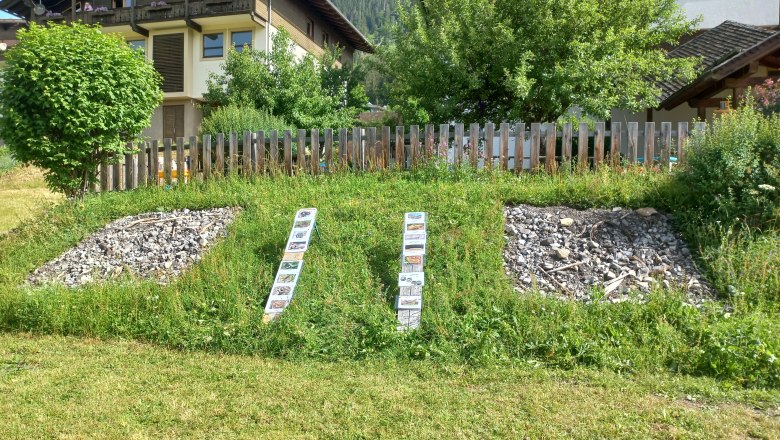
pixel 105 14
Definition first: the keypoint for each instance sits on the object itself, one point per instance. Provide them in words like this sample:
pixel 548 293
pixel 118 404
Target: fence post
pixel 233 153
pixel 181 167
pixel 633 142
pixel 400 162
pixel 220 154
pixel 273 150
pixel 301 165
pixel 474 145
pixel 551 136
pixel 206 156
pixel 666 144
pixel 649 143
pixel 490 140
pixel 288 152
pixel 119 176
pixel 315 151
pixel 343 150
pixel 682 141
pixel 582 147
pixel 154 163
pixel 414 144
pixel 194 157
pixel 519 147
pixel 328 150
pixel 536 138
pixel 615 143
pixel 459 144
pixel 246 154
pixel 566 138
pixel 504 146
pixel 444 140
pixel 131 180
pixel 167 158
pixel 371 153
pixel 357 149
pixel 143 170
pixel 598 145
pixel 260 152
pixel 385 146
pixel 429 141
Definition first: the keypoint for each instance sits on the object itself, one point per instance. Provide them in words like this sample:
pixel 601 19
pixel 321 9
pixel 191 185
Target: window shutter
pixel 168 57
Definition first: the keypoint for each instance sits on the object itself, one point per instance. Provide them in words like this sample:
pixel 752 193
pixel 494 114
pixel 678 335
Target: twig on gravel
pixel 152 220
pixel 569 266
pixel 556 281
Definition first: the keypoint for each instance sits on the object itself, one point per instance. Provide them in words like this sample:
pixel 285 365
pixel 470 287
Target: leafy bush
pixel 767 96
pixel 235 118
pixel 71 97
pixel 733 172
pixel 303 90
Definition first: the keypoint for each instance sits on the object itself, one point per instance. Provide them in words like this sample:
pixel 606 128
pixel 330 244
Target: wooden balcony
pixel 105 14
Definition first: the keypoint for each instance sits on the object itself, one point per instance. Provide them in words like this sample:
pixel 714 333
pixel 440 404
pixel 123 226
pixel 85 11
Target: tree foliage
pixel 71 97
pixel 477 60
pixel 301 90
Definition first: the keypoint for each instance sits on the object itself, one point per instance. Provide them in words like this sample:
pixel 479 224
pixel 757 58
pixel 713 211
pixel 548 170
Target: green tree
pixel 71 97
pixel 477 60
pixel 301 90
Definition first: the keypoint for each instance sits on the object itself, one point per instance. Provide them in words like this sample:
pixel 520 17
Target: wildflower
pixel 766 187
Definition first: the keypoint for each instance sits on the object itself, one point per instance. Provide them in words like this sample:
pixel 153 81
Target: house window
pixel 310 28
pixel 213 45
pixel 239 40
pixel 168 58
pixel 325 39
pixel 137 45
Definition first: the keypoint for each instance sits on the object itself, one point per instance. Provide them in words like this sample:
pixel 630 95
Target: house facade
pixel 186 40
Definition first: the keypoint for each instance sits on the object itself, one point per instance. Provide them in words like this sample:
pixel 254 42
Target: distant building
pixel 733 55
pixel 188 39
pixel 8 28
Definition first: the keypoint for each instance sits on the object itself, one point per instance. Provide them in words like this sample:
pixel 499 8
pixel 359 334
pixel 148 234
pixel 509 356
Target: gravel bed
pixel 572 254
pixel 157 246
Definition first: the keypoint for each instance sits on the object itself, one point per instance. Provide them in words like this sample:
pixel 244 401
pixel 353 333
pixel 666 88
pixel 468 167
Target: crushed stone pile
pixel 158 246
pixel 567 253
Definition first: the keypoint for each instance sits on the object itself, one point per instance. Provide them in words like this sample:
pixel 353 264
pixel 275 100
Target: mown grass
pixel 344 306
pixel 23 194
pixel 61 387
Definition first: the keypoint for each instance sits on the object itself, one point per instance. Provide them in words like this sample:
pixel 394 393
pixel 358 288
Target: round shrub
pixel 70 97
pixel 733 171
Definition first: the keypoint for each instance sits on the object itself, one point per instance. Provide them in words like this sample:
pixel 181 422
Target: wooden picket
pixel 536 147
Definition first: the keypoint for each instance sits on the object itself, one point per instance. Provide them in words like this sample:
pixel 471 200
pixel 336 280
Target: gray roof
pixel 715 47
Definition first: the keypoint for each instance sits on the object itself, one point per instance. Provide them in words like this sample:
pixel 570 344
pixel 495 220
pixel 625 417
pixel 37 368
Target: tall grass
pixel 6 161
pixel 344 307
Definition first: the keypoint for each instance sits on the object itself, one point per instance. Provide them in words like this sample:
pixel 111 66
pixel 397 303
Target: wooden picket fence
pixel 517 146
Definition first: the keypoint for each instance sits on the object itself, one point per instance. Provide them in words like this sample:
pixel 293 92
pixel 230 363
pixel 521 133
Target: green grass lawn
pixel 23 194
pixel 486 361
pixel 63 387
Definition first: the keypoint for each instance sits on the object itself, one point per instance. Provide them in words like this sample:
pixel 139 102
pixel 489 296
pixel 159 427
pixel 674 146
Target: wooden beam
pixel 705 102
pixel 736 83
pixel 771 61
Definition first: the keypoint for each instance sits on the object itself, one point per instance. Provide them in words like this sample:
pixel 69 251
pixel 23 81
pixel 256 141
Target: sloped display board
pixel 291 267
pixel 412 277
